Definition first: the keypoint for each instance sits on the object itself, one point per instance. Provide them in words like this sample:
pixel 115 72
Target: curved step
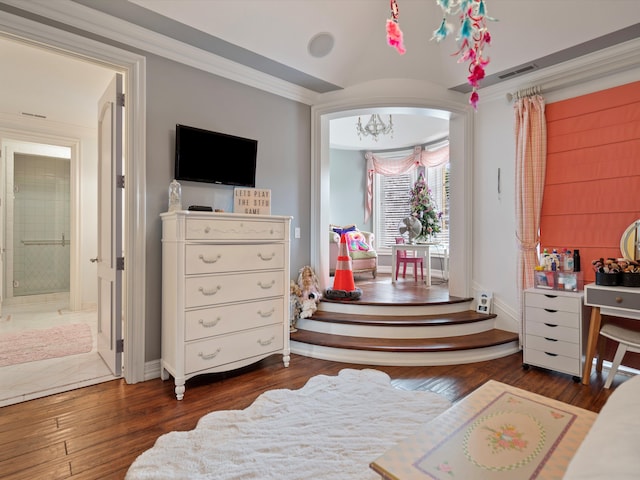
pixel 406 351
pixel 399 326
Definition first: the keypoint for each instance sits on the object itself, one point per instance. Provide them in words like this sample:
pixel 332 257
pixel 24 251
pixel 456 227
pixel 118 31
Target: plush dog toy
pixel 295 305
pixel 310 291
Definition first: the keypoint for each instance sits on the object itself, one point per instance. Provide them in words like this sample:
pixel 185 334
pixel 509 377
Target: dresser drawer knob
pixel 266 286
pixel 209 259
pixel 264 343
pixel 550 310
pixel 551 339
pixel 207 229
pixel 266 314
pixel 618 299
pixel 551 325
pixel 265 257
pixel 209 292
pixel 209 324
pixel 209 356
pixel 551 354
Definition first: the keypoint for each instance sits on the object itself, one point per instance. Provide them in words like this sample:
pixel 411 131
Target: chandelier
pixel 374 127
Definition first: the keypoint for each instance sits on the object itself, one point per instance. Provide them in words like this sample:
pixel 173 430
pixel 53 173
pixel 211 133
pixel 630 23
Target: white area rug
pixel 332 428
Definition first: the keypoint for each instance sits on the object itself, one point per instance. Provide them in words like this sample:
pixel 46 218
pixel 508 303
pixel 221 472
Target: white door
pixel 110 110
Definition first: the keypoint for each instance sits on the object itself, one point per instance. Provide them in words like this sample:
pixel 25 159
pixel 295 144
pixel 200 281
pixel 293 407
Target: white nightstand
pixel 555 330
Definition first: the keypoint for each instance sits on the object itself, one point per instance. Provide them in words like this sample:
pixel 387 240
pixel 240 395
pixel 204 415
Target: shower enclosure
pixel 38 257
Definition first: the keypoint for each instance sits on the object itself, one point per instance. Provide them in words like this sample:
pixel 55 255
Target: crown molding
pixel 619 63
pixel 93 21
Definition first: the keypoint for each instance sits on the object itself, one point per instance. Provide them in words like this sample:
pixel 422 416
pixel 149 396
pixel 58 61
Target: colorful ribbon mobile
pixel 472 36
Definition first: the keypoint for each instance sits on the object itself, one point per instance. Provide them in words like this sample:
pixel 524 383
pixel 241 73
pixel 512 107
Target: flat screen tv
pixel 212 157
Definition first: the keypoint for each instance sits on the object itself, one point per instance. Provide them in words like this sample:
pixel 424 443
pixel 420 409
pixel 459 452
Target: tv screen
pixel 212 157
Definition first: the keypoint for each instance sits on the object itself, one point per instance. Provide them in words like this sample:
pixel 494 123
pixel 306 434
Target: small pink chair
pixel 405 257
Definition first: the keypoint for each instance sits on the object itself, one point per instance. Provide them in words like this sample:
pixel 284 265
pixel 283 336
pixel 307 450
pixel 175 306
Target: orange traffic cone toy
pixel 343 285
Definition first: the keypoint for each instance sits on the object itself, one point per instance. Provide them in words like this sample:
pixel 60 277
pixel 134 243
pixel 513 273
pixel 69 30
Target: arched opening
pixel 460 135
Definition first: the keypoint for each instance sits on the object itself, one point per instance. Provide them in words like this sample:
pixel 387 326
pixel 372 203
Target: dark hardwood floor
pixel 97 432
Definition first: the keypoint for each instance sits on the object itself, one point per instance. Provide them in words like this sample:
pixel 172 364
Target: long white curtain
pixel 386 166
pixel 531 161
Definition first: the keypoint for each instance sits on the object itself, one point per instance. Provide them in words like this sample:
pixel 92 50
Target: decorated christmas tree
pixel 424 208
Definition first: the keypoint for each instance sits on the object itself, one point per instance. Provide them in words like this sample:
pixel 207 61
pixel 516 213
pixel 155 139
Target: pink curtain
pixel 386 166
pixel 531 161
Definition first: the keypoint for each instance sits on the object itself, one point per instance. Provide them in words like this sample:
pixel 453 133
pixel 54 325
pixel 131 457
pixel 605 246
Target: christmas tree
pixel 424 208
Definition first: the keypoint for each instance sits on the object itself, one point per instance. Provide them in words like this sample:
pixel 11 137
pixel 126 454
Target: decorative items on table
pixel 175 196
pixel 614 272
pixel 559 271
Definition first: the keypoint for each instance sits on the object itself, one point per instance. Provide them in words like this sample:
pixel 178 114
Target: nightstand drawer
pixel 210 322
pixel 205 354
pixel 559 363
pixel 553 302
pixel 552 317
pixel 619 298
pixel 549 345
pixel 233 258
pixel 550 331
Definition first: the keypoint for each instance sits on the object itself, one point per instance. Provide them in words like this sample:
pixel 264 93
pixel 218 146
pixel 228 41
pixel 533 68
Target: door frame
pixel 133 67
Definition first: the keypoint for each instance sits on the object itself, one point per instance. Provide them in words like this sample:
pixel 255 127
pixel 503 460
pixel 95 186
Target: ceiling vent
pixel 518 71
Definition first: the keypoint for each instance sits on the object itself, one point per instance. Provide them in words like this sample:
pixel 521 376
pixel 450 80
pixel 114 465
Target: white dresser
pixel 555 330
pixel 225 292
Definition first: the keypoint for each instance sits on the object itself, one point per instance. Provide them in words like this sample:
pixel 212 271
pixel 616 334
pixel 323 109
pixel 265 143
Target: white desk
pixel 418 248
pixel 616 301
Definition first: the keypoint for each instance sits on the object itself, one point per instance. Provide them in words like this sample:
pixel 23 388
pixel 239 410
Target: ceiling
pixel 274 37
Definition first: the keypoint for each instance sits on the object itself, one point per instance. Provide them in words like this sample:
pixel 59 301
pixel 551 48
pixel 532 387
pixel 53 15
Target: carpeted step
pixel 489 338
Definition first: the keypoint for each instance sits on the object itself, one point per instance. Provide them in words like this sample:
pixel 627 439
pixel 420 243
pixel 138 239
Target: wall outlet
pixel 296 232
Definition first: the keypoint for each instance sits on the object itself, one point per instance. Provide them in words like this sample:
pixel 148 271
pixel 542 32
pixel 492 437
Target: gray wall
pixel 180 94
pixel 348 184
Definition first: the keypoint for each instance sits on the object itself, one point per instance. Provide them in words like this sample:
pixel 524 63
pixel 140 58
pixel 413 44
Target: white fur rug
pixel 333 427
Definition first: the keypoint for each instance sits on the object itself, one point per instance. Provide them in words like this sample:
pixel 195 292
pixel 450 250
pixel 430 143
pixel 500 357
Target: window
pixel 391 203
pixel 438 182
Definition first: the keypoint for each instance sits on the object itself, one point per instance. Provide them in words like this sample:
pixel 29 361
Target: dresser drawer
pixel 229 258
pixel 553 302
pixel 209 322
pixel 205 354
pixel 559 363
pixel 553 317
pixel 555 332
pixel 620 298
pixel 559 347
pixel 217 289
pixel 220 229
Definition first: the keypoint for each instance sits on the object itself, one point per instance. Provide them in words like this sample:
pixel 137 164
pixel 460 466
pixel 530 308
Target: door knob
pixel 93 260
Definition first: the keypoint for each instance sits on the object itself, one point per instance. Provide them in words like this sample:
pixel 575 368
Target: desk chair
pixel 403 257
pixel 628 340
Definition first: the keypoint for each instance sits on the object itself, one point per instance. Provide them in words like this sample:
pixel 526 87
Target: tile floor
pixel 27 381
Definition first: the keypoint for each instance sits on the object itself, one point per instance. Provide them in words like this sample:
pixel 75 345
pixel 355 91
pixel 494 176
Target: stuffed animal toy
pixel 295 305
pixel 310 291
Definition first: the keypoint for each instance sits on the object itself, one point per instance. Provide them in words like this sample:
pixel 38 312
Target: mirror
pixel 630 242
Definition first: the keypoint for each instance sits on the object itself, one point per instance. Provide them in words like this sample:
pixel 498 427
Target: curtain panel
pixel 386 166
pixel 531 158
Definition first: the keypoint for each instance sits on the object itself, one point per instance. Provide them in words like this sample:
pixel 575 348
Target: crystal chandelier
pixel 374 127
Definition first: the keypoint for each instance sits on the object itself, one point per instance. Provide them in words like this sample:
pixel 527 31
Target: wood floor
pixel 97 432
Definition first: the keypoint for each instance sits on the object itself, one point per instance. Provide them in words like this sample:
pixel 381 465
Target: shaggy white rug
pixel 333 427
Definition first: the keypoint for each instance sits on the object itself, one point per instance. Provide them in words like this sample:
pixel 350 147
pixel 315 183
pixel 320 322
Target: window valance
pixel 395 166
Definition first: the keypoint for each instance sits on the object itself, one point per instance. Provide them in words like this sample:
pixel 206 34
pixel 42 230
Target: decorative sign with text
pixel 254 201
